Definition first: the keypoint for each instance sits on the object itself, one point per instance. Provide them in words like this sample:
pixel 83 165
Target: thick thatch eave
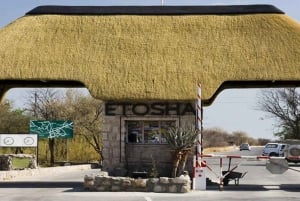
pixel 151 57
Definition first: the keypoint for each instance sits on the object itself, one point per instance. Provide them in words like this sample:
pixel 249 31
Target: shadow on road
pixel 253 187
pixel 73 186
pixel 77 186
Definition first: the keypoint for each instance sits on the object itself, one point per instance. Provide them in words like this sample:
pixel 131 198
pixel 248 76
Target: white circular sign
pixel 8 141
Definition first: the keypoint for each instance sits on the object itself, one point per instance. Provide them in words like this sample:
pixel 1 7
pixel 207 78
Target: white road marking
pixel 147 199
pixel 272 187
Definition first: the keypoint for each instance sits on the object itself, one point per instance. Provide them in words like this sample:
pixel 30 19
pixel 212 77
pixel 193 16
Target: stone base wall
pixel 158 185
pixel 6 161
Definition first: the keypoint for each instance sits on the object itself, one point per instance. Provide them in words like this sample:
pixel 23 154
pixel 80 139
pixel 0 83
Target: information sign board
pixel 52 129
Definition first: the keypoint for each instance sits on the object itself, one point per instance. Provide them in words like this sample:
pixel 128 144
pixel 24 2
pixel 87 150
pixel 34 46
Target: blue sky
pixel 233 110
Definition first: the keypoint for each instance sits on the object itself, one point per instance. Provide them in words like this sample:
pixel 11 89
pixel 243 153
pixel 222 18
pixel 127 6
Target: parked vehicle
pixel 293 151
pixel 274 149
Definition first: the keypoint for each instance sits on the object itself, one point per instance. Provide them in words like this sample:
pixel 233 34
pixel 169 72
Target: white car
pixel 274 149
pixel 245 146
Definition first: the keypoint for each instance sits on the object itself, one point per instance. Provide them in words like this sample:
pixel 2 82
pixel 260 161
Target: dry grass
pixel 218 149
pixel 131 57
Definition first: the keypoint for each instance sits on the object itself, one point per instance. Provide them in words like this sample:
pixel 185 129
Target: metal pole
pixel 221 175
pixel 36 116
pixel 37 151
pixel 67 156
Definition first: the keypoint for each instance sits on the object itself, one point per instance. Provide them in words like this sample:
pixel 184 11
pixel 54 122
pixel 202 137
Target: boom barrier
pixel 276 165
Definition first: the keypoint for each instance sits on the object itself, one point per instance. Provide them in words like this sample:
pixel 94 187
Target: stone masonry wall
pixel 143 157
pixel 7 159
pixel 158 185
pixel 113 144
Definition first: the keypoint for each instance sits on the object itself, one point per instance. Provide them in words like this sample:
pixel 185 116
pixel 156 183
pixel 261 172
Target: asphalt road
pixel 257 184
pixel 257 176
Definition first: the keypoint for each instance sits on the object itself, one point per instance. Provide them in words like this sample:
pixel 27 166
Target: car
pixel 274 149
pixel 245 146
pixel 293 153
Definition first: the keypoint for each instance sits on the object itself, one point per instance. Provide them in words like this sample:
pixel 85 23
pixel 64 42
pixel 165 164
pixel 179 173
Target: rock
pixel 185 189
pixel 140 183
pixel 164 180
pixel 173 189
pixel 158 188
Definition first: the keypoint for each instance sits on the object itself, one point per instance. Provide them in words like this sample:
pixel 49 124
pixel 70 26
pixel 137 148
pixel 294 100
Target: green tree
pixel 45 104
pixel 13 121
pixel 86 113
pixel 61 104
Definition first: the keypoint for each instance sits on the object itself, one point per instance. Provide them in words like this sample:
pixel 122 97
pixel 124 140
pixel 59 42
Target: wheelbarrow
pixel 230 175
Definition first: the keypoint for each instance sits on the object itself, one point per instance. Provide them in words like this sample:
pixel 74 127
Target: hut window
pixel 147 132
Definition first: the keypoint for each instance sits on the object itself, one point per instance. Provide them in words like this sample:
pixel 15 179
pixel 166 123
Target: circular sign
pixel 8 140
pixel 28 140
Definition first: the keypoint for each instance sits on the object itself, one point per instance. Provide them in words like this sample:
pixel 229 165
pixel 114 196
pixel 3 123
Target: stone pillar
pixel 113 144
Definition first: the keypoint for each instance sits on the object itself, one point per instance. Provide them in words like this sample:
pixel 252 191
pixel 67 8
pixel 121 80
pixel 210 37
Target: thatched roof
pixel 151 52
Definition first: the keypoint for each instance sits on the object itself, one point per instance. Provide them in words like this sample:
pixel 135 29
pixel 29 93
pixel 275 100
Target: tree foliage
pixel 59 104
pixel 86 112
pixel 13 121
pixel 44 104
pixel 216 137
pixel 283 105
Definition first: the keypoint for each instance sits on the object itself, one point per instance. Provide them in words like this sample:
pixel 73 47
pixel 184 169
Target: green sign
pixel 52 129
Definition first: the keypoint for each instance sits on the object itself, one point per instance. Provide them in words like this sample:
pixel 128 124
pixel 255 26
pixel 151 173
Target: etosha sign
pixel 156 108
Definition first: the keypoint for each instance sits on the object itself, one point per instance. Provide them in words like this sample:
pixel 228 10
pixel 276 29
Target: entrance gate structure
pixel 150 53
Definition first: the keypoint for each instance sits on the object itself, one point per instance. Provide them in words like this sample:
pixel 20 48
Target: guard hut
pixel 134 135
pixel 144 60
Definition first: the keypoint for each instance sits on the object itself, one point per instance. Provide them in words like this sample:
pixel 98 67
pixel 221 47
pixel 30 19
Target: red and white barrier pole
pixel 199 181
pixel 199 125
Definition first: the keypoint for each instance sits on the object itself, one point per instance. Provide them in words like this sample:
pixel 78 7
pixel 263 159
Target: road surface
pixel 258 184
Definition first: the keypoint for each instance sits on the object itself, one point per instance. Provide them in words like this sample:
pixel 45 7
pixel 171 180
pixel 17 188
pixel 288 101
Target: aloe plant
pixel 181 140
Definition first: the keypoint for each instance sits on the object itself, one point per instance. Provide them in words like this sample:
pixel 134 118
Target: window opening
pixel 148 132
